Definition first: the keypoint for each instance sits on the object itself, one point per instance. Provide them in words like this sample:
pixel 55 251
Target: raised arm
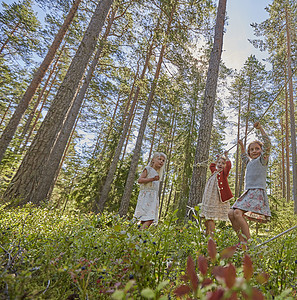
pixel 266 140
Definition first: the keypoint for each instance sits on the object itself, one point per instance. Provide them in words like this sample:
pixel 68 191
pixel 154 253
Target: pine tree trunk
pixel 5 113
pixel 9 38
pixel 154 133
pixel 11 127
pixel 283 177
pixel 99 205
pixel 134 163
pixel 237 150
pixel 206 121
pixel 292 114
pixel 39 113
pixel 26 180
pixel 288 179
pixel 168 153
pixel 51 170
pixel 40 95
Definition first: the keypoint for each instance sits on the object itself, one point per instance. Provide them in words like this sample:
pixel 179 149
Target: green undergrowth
pixel 47 255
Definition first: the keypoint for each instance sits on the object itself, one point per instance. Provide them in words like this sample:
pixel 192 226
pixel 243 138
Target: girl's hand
pixel 156 178
pixel 257 125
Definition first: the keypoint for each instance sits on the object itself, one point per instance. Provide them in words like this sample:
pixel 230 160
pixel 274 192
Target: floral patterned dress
pixel 147 207
pixel 255 201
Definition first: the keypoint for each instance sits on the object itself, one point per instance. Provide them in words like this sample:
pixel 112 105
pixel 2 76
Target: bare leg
pixel 239 224
pixel 210 227
pixel 146 224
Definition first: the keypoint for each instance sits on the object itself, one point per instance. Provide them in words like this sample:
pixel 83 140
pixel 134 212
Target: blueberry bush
pixel 45 254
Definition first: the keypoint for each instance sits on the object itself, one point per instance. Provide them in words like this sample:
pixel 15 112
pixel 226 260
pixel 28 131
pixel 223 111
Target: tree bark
pixel 237 149
pixel 288 192
pixel 11 127
pixel 292 114
pixel 206 121
pixel 51 170
pixel 27 178
pixel 131 176
pixel 99 205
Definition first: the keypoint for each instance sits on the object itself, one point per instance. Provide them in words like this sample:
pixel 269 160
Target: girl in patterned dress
pixel 217 193
pixel 253 203
pixel 148 199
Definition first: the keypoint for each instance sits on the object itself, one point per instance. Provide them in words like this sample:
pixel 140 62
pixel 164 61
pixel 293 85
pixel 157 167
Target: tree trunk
pixel 288 192
pixel 204 135
pixel 31 115
pixel 5 113
pixel 292 115
pixel 10 129
pixel 283 177
pixel 26 180
pixel 8 39
pixel 168 153
pixel 51 171
pixel 99 205
pixel 237 149
pixel 154 133
pixel 131 176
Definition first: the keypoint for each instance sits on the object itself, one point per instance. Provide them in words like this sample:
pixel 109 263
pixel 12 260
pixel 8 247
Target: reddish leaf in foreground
pixel 233 296
pixel 247 267
pixel 206 282
pixel 192 273
pixel 228 252
pixel 212 249
pixel 202 265
pixel 216 295
pixel 218 272
pixel 230 276
pixel 256 295
pixel 182 290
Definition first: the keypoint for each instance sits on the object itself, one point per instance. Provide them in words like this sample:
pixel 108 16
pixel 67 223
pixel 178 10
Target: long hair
pixel 161 170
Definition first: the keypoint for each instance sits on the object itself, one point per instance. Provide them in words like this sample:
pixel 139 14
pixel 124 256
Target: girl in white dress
pixel 148 199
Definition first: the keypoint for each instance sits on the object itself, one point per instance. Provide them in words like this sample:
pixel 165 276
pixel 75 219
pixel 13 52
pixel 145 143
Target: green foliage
pixel 48 255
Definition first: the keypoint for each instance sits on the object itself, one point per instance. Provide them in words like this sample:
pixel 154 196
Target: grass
pixel 46 255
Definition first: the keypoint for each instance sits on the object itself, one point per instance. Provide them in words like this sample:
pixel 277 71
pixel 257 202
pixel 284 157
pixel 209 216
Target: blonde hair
pixel 159 154
pixel 254 142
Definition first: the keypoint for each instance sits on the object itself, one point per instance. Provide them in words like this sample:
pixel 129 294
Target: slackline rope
pixel 192 209
pixel 275 237
pixel 205 162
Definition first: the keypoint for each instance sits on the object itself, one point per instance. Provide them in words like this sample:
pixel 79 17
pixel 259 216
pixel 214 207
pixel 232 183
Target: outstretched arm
pixel 267 143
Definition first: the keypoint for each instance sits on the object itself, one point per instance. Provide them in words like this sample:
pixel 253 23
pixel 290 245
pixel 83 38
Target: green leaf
pixel 148 293
pixel 118 295
pixel 129 285
pixel 162 284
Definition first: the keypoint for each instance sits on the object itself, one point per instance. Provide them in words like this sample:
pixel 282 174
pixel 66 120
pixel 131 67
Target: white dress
pixel 212 207
pixel 147 207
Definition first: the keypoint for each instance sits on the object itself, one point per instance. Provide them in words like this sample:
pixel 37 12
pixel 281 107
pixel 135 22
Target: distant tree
pixel 19 35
